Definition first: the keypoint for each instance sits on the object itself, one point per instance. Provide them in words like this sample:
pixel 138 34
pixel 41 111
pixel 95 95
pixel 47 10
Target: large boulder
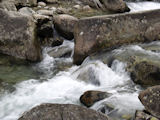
pixel 95 34
pixel 90 97
pixel 64 24
pixel 62 112
pixel 145 72
pixel 108 5
pixel 18 36
pixel 150 98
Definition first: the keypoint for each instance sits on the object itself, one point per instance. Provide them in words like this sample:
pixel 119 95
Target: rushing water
pixel 61 82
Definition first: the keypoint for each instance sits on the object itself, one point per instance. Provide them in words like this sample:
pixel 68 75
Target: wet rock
pixel 18 36
pixel 90 97
pixel 62 51
pixel 145 72
pixel 62 112
pixel 150 98
pixel 141 115
pixel 64 24
pixel 106 32
pixel 108 5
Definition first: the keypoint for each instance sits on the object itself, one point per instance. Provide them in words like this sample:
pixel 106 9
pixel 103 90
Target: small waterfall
pixel 61 82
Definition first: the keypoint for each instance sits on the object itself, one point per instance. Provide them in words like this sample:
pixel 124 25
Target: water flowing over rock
pixel 108 32
pixel 64 24
pixel 91 97
pixel 143 65
pixel 18 36
pixel 150 98
pixel 62 112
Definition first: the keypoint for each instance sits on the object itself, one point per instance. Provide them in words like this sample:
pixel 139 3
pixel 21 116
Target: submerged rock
pixel 150 98
pixel 18 36
pixel 91 97
pixel 141 115
pixel 111 31
pixel 64 24
pixel 89 75
pixel 62 112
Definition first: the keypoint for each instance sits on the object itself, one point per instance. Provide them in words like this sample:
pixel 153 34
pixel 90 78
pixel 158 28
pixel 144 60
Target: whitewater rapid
pixel 66 87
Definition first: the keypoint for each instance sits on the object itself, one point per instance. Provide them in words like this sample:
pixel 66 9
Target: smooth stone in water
pixel 90 97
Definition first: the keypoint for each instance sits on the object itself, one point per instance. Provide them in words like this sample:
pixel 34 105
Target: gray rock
pixel 18 36
pixel 150 98
pixel 64 24
pixel 62 112
pixel 95 34
pixel 27 11
pixel 8 6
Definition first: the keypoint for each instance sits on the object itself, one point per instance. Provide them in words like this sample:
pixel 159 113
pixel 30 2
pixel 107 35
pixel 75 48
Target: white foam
pixel 142 6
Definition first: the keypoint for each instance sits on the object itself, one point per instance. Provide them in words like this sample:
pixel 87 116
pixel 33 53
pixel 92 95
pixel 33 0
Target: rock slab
pixel 95 34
